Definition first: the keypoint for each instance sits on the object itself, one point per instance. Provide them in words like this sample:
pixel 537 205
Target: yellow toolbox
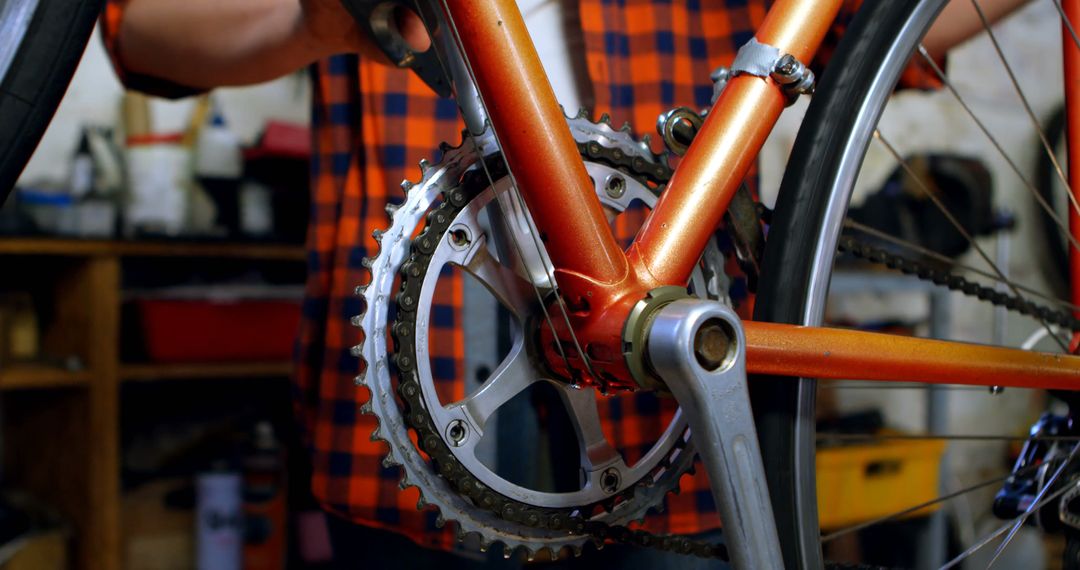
pixel 857 483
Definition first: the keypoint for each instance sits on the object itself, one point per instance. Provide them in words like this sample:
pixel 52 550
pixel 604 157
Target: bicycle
pixel 588 293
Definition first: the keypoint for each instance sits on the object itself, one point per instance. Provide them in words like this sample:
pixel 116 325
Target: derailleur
pixel 1049 446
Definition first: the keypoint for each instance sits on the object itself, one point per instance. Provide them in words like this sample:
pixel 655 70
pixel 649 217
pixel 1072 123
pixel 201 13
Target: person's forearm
pixel 959 22
pixel 210 43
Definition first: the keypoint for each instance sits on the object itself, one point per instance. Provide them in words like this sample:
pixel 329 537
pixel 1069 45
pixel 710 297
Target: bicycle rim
pixel 41 43
pixel 798 260
pixel 15 18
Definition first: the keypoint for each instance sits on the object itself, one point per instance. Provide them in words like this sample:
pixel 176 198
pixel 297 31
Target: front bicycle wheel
pixel 41 43
pixel 802 243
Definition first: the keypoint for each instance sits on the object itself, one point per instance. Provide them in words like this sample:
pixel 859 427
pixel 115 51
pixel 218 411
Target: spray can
pixel 218 520
pixel 265 509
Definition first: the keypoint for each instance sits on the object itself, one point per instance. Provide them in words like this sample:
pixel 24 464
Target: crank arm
pixel 376 19
pixel 441 66
pixel 698 348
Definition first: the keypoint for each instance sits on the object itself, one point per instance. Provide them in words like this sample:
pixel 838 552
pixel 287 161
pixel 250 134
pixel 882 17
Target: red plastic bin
pixel 182 330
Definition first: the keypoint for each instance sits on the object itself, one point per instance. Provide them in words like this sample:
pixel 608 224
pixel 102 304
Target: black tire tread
pixel 793 235
pixel 38 78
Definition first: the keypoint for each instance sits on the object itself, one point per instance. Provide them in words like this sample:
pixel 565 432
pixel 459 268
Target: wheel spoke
pixel 872 437
pixel 509 379
pixel 871 231
pixel 956 223
pixel 1018 521
pixel 997 145
pixel 947 497
pixel 1068 24
pixel 1027 107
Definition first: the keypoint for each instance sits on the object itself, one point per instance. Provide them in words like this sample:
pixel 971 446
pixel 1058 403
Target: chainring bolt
pixel 609 480
pixel 460 237
pixel 457 432
pixel 615 186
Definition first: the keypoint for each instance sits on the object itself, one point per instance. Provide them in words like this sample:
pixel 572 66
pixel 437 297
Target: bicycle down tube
pixel 600 283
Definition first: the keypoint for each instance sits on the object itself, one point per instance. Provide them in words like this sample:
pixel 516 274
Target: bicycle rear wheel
pixel 41 42
pixel 802 242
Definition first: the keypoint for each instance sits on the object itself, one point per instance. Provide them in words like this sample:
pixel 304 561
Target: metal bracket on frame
pixel 763 60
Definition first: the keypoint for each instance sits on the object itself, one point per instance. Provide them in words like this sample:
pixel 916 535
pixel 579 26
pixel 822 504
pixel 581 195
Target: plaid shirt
pixel 371 126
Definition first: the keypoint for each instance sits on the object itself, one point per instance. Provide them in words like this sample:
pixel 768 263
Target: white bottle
pixel 218 153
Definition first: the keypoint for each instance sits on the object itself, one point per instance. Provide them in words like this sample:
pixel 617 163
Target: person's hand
pixel 332 28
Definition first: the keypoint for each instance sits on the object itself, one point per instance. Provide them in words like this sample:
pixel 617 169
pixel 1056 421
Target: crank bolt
pixel 713 344
pixel 609 480
pixel 457 432
pixel 616 186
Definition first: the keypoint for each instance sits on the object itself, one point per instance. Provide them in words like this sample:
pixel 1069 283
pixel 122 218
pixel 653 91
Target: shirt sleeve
pixel 111 19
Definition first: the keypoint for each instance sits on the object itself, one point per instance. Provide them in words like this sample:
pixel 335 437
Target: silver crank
pixel 699 350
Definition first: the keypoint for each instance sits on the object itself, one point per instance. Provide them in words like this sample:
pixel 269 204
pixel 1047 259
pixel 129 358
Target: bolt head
pixel 609 480
pixel 787 66
pixel 457 432
pixel 615 186
pixel 712 344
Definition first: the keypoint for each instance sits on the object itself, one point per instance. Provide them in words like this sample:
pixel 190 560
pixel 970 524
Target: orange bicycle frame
pixel 600 283
pixel 1071 58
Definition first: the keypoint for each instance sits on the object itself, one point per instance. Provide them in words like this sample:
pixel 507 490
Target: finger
pixel 412 29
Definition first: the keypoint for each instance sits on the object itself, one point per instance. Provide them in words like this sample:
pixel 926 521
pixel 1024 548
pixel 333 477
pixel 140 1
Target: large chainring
pixel 444 468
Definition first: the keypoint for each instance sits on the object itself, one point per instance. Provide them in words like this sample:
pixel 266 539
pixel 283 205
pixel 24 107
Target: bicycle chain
pixel 954 282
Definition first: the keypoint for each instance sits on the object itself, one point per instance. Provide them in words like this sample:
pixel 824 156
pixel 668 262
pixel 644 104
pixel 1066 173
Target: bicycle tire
pixel 806 223
pixel 38 76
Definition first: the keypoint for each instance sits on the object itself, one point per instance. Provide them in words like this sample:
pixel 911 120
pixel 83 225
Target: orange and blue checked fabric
pixel 371 126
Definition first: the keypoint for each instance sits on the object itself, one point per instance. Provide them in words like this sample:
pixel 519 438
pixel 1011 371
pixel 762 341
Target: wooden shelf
pixel 89 248
pixel 209 370
pixel 28 376
pixel 65 437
